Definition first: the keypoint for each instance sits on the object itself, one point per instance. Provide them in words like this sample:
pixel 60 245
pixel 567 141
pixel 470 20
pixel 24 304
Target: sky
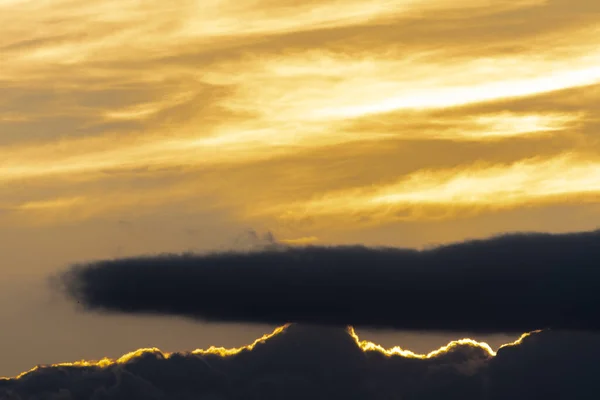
pixel 131 128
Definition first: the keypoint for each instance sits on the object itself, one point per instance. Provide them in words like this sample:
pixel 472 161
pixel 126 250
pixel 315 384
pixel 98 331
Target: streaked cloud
pixel 430 194
pixel 165 96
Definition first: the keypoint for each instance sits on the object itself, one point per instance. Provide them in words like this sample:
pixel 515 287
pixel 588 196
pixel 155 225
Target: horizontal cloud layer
pixel 511 283
pixel 126 108
pixel 309 362
pixel 446 193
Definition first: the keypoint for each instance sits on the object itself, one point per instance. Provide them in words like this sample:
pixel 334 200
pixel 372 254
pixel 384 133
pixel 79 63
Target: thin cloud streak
pixel 446 193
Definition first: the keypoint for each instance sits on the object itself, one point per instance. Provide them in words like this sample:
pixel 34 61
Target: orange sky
pixel 131 127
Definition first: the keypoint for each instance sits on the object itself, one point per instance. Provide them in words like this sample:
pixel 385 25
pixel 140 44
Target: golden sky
pixel 132 126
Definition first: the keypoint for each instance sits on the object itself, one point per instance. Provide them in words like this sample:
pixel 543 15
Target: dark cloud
pixel 310 362
pixel 510 283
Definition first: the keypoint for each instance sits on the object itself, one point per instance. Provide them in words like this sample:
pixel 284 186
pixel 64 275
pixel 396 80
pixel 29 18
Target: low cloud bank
pixel 510 283
pixel 310 362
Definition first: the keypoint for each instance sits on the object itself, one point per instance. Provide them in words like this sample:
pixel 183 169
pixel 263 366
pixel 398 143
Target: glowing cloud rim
pixel 364 345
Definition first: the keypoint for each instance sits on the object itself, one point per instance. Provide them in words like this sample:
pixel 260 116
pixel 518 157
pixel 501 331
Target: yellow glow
pixel 326 86
pixel 423 195
pixel 127 29
pixel 92 156
pixel 145 110
pixel 453 96
pixel 436 194
pixel 273 103
pixel 364 345
pixel 49 204
pixel 300 241
pixel 509 124
pixel 106 362
pixel 228 146
pixel 143 201
pixel 478 128
pixel 223 352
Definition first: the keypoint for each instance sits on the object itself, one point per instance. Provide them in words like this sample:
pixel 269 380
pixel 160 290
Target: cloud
pixel 301 362
pixel 156 98
pixel 510 283
pixel 431 194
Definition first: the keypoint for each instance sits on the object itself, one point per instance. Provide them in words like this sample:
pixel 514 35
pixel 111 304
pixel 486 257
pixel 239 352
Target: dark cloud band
pixel 310 362
pixel 511 283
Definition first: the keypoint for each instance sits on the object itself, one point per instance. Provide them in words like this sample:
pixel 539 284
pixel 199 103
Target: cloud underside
pixel 458 108
pixel 510 283
pixel 300 362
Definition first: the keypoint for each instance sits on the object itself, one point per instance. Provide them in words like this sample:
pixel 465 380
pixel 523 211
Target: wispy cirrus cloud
pixel 117 92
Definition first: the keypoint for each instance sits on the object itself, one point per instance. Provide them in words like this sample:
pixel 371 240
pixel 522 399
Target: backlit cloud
pixel 316 362
pixel 388 122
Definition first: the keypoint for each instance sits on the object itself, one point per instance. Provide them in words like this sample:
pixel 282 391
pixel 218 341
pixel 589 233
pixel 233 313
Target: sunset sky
pixel 133 127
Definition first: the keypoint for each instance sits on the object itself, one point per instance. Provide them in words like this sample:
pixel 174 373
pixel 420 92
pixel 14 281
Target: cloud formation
pixel 301 362
pixel 431 194
pixel 171 100
pixel 510 283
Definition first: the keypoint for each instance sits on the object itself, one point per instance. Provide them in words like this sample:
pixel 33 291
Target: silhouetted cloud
pixel 510 283
pixel 310 362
